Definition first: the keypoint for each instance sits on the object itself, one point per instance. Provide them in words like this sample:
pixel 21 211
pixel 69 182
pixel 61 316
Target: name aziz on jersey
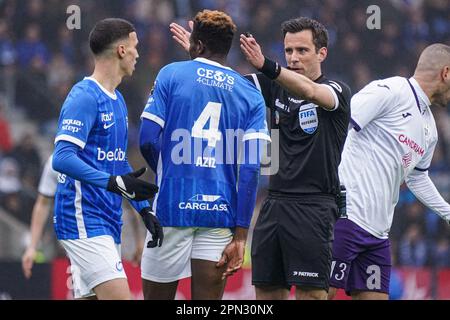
pixel 206 162
pixel 215 78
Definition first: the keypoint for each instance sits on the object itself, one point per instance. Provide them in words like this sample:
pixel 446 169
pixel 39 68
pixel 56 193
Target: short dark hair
pixel 319 32
pixel 215 29
pixel 107 31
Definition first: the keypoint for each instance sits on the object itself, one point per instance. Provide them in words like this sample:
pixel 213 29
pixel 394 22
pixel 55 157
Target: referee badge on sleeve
pixel 308 119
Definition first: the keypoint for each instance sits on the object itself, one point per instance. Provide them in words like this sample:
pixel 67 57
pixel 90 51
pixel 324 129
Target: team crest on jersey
pixel 308 119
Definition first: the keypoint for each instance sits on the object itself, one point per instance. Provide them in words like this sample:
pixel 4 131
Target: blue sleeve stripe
pixel 355 125
pixel 419 169
pixel 66 137
pixel 256 135
pixel 149 116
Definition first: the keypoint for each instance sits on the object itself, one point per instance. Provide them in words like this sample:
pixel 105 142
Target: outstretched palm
pixel 181 35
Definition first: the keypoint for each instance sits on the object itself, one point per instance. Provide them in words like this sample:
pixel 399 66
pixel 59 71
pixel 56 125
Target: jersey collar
pixel 207 61
pixel 320 78
pixel 425 101
pixel 109 94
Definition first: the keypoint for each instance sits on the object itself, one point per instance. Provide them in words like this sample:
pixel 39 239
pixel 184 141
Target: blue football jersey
pixel 96 121
pixel 206 111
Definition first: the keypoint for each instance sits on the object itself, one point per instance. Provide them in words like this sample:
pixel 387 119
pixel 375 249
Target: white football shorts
pixel 93 261
pixel 172 261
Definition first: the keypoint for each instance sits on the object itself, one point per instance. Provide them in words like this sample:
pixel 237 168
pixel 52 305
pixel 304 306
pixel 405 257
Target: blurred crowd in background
pixel 40 59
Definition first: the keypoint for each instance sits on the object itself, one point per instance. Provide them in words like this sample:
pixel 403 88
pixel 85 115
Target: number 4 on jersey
pixel 212 113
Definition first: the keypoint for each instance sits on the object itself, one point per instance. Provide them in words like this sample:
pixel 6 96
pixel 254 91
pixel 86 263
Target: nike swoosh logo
pixel 107 126
pixel 126 194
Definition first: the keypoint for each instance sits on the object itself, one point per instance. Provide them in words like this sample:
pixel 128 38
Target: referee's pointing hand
pixel 252 51
pixel 181 35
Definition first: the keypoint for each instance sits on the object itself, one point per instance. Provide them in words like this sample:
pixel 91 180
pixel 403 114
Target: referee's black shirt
pixel 311 138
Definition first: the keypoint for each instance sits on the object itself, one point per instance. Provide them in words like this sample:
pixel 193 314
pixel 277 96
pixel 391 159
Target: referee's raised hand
pixel 181 35
pixel 252 51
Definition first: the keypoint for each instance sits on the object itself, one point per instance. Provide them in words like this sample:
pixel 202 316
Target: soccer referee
pixel 294 230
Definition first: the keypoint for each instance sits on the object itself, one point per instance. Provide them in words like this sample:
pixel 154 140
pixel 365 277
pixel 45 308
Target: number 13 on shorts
pixel 340 271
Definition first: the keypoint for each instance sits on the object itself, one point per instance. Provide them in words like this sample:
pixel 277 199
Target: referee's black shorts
pixel 292 241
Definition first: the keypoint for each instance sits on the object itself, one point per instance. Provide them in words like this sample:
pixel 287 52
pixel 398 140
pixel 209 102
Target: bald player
pixel 392 140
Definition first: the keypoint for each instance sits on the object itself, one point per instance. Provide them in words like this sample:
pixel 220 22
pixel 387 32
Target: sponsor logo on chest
pixel 410 143
pixel 215 78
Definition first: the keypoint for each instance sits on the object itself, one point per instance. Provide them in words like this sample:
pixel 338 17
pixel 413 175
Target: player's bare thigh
pixel 369 295
pixel 360 295
pixel 332 293
pixel 206 282
pixel 279 293
pixel 310 293
pixel 115 289
pixel 159 291
pixel 271 293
